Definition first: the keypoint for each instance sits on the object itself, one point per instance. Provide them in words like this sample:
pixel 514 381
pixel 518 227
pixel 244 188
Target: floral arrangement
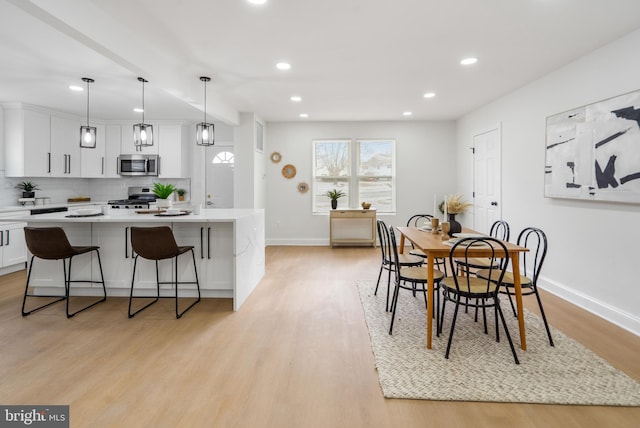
pixel 455 204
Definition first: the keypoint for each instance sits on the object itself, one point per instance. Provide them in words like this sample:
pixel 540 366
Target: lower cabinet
pixel 13 249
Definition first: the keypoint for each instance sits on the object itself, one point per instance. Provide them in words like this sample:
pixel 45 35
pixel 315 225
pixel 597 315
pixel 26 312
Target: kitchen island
pixel 229 245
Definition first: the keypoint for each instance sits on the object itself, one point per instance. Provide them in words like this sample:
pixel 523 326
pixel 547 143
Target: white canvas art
pixel 593 152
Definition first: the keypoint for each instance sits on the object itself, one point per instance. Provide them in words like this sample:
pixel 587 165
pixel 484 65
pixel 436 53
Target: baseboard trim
pixel 602 309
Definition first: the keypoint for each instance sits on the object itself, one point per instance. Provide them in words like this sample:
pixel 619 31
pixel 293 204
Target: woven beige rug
pixel 479 368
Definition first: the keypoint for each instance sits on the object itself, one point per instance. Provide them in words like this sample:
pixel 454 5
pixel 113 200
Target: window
pixel 223 157
pixel 364 168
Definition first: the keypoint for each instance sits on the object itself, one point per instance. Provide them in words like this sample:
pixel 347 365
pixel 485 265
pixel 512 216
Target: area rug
pixel 481 369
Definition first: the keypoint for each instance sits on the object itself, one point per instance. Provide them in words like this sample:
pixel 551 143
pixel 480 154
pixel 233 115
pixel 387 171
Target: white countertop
pixel 130 216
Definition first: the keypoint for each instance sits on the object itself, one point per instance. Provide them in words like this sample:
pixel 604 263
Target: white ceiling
pixel 351 59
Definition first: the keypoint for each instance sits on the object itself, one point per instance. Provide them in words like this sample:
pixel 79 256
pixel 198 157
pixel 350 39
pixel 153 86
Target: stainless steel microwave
pixel 138 164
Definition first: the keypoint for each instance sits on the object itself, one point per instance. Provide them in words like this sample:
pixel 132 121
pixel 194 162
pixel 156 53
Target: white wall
pixel 426 161
pixel 593 253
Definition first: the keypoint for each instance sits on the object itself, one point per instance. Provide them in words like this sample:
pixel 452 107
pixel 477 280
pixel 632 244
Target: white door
pixel 219 173
pixel 486 180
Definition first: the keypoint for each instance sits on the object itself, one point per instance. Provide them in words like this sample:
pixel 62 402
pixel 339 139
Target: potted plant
pixel 334 195
pixel 28 189
pixel 181 193
pixel 163 191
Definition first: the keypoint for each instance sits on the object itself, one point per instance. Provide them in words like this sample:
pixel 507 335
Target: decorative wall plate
pixel 303 187
pixel 289 171
pixel 276 157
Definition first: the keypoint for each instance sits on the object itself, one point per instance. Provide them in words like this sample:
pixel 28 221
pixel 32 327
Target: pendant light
pixel 88 133
pixel 205 131
pixel 142 132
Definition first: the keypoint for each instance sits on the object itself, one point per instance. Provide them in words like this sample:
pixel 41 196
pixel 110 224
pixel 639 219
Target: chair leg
pixel 504 324
pixel 544 318
pixel 394 304
pixel 179 314
pixel 375 293
pixel 26 294
pixel 388 287
pixel 68 286
pixel 133 278
pixel 453 325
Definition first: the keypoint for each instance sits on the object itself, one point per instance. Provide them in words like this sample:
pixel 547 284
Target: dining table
pixel 433 245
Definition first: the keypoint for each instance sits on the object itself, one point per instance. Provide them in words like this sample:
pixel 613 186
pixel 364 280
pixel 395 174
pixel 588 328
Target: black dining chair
pixel 413 275
pixel 388 262
pixel 477 292
pixel 536 241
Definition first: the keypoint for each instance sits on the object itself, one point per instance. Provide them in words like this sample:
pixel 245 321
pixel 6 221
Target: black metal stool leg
pixel 26 294
pixel 131 297
pixel 68 282
pixel 179 314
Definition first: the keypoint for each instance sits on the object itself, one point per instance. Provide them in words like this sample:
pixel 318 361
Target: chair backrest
pixel 418 220
pixel 49 243
pixel 383 237
pixel 500 230
pixel 536 241
pixel 154 243
pixel 499 261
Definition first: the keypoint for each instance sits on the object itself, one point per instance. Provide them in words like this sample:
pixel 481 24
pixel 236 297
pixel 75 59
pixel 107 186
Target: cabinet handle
pixel 1 238
pixel 208 242
pixel 201 243
pixel 69 160
pixel 102 173
pixel 8 237
pixel 48 162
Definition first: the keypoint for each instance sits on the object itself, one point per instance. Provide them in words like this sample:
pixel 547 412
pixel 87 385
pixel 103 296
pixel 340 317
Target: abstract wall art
pixel 593 151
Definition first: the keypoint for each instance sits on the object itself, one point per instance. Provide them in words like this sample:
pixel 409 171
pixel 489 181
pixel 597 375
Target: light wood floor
pixel 297 354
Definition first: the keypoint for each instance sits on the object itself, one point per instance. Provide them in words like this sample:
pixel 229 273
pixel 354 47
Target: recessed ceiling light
pixel 407 113
pixel 296 99
pixel 138 110
pixel 304 115
pixel 430 95
pixel 76 88
pixel 283 66
pixel 469 61
pixel 257 1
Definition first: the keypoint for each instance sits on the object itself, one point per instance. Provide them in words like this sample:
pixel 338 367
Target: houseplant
pixel 334 195
pixel 163 191
pixel 181 193
pixel 28 189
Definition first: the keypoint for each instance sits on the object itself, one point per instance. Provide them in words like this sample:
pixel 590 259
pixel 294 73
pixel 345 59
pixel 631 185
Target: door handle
pixel 494 203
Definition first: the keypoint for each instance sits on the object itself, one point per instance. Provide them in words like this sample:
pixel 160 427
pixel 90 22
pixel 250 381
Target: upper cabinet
pixel 27 140
pixel 65 147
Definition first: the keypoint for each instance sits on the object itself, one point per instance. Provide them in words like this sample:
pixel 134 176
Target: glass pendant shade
pixel 88 137
pixel 205 132
pixel 142 132
pixel 87 133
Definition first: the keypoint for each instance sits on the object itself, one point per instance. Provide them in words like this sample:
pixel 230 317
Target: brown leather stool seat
pixel 51 243
pixel 158 243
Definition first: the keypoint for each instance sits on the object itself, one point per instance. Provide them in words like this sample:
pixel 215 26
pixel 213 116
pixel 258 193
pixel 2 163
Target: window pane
pixel 323 185
pixel 331 158
pixel 375 158
pixel 377 191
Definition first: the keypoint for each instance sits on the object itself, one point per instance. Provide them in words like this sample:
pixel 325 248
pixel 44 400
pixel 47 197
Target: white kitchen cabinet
pixel 127 146
pixel 13 249
pixel 174 151
pixel 93 161
pixel 113 139
pixel 65 147
pixel 213 246
pixel 27 138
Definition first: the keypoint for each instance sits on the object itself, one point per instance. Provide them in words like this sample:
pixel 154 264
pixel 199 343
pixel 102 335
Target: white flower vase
pixel 163 203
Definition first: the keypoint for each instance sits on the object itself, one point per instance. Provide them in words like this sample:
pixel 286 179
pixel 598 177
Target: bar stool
pixel 51 243
pixel 158 243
